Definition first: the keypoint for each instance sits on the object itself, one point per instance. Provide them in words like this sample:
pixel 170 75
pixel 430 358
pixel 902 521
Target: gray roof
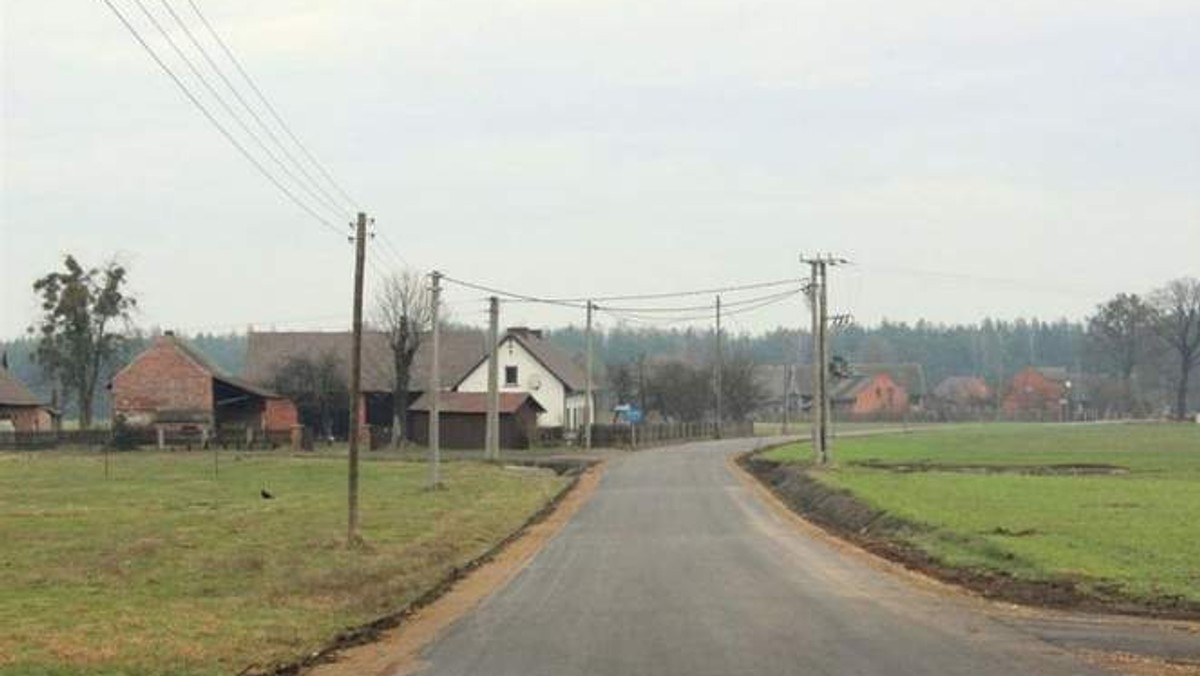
pixel 267 351
pixel 962 388
pixel 14 393
pixel 910 376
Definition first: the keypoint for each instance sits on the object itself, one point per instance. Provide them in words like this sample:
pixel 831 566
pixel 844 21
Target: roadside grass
pixel 1134 534
pixel 166 569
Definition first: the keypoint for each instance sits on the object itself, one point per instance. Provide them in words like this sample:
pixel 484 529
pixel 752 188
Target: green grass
pixel 164 569
pixel 1136 532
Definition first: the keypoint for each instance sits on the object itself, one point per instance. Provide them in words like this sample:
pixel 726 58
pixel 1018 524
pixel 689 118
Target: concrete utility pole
pixel 819 296
pixel 787 396
pixel 587 405
pixel 492 435
pixel 435 382
pixel 816 401
pixel 360 251
pixel 719 367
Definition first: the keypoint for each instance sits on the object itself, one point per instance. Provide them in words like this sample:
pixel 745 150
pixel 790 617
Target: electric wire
pixel 271 108
pixel 229 109
pixel 216 123
pixel 324 195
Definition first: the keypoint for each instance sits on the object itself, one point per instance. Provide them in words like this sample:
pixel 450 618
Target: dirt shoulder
pixel 841 513
pixel 392 645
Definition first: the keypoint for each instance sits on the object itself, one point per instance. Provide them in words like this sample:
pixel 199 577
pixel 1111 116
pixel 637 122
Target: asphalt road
pixel 675 567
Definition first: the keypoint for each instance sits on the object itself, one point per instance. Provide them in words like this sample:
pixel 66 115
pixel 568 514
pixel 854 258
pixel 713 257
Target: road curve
pixel 676 567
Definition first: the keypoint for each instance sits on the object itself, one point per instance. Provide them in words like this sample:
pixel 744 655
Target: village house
pixel 20 409
pixel 462 419
pixel 527 362
pixel 962 395
pixel 869 390
pixel 1043 393
pixel 172 387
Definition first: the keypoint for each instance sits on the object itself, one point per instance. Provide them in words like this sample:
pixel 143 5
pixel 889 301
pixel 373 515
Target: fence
pixel 656 434
pixel 144 436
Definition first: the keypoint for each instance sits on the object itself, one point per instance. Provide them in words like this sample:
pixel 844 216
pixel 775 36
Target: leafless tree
pixel 1177 321
pixel 316 385
pixel 1118 332
pixel 404 312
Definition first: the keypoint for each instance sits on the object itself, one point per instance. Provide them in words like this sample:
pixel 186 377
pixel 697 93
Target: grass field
pixel 166 569
pixel 1134 531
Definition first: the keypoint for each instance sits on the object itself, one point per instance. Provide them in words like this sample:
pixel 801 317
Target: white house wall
pixel 562 409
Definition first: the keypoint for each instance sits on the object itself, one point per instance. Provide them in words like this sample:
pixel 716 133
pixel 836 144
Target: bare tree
pixel 1117 331
pixel 317 387
pixel 404 312
pixel 742 392
pixel 1177 321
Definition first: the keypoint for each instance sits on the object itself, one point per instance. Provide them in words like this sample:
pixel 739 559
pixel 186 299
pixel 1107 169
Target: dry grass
pixel 166 569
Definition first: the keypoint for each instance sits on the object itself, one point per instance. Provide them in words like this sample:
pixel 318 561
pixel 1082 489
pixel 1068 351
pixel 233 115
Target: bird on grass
pixel 266 495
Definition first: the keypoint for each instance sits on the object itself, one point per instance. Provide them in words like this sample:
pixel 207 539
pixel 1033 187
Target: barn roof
pixel 476 402
pixel 267 351
pixel 200 359
pixel 962 388
pixel 14 393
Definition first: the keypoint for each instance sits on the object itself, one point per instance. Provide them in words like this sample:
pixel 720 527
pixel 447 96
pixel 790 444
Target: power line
pixel 325 197
pixel 270 108
pixel 513 295
pixel 706 306
pixel 216 123
pixel 696 292
pixel 229 109
pixel 761 303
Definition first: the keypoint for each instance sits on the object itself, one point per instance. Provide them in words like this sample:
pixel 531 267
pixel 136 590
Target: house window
pixel 510 376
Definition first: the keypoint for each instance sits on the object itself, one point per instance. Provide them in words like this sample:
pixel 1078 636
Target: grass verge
pixel 1011 502
pixel 166 568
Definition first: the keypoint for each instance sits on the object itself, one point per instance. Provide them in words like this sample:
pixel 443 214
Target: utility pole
pixel 819 297
pixel 787 396
pixel 587 406
pixel 360 250
pixel 720 365
pixel 492 435
pixel 816 399
pixel 435 383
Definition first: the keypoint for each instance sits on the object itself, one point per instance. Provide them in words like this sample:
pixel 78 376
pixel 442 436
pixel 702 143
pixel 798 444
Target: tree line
pixel 1142 350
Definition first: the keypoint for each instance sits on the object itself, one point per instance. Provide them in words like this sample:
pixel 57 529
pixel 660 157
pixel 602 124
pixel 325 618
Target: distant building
pixel 1042 393
pixel 463 419
pixel 21 408
pixel 962 395
pixel 878 390
pixel 171 385
pixel 529 363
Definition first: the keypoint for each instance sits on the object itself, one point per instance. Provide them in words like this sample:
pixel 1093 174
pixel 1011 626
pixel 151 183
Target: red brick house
pixel 463 419
pixel 870 395
pixel 21 408
pixel 1038 393
pixel 172 386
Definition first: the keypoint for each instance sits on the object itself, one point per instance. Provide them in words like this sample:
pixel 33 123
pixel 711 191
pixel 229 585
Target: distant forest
pixel 994 350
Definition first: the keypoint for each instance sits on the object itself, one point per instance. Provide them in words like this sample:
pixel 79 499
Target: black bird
pixel 266 495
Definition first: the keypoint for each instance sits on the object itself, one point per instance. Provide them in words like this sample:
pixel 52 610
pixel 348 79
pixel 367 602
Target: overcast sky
pixel 972 159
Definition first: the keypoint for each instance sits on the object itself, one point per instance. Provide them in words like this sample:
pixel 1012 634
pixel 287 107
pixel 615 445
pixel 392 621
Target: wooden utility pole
pixel 826 404
pixel 435 382
pixel 360 250
pixel 587 405
pixel 719 367
pixel 492 435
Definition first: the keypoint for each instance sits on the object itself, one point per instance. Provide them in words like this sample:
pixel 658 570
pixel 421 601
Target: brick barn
pixel 463 419
pixel 869 390
pixel 1039 393
pixel 173 386
pixel 21 408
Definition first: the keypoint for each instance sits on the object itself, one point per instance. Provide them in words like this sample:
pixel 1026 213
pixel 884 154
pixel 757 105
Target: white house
pixel 529 363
